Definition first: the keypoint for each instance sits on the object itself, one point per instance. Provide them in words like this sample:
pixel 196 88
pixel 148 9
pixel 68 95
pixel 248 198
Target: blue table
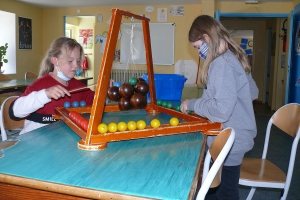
pixel 48 161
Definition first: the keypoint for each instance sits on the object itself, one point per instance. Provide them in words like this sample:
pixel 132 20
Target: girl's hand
pixel 56 92
pixel 183 106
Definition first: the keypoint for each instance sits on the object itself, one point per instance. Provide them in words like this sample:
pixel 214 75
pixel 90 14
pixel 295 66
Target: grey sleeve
pixel 253 87
pixel 191 104
pixel 220 96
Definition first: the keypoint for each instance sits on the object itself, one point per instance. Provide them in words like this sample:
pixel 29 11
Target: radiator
pixel 121 75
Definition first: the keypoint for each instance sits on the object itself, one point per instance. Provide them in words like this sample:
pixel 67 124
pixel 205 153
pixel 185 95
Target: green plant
pixel 3 53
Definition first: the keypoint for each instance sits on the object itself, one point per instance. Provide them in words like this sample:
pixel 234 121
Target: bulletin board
pixel 162 43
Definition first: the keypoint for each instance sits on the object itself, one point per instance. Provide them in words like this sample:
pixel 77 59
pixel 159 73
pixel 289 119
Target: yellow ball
pixel 131 125
pixel 174 121
pixel 102 128
pixel 155 123
pixel 122 126
pixel 141 124
pixel 112 127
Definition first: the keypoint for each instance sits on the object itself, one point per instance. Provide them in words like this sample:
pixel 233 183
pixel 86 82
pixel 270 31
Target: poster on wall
pixel 86 38
pixel 176 10
pixel 25 33
pixel 162 14
pixel 102 40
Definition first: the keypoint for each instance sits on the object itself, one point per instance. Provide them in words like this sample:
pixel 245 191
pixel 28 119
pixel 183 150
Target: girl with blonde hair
pixel 51 89
pixel 227 97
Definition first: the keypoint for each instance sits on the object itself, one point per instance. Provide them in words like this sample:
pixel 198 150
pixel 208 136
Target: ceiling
pixel 80 3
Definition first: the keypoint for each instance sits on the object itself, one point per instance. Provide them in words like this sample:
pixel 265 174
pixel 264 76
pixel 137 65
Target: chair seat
pixel 9 126
pixel 261 173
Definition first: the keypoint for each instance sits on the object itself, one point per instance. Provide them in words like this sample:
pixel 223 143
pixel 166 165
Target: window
pixel 8 35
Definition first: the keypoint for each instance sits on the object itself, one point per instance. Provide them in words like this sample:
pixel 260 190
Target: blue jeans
pixel 229 187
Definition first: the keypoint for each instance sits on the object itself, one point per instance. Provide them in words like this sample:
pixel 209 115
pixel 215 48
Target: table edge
pixel 65 189
pixel 197 181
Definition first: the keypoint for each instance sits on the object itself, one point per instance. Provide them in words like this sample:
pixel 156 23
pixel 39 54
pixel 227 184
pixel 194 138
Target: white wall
pixel 8 35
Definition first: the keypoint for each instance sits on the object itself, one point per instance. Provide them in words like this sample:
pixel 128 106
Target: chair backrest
pixel 3 77
pixel 6 123
pixel 30 75
pixel 287 119
pixel 218 151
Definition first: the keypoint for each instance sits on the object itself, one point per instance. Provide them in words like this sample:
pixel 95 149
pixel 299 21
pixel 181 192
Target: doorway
pixel 260 23
pixel 81 28
pixel 244 38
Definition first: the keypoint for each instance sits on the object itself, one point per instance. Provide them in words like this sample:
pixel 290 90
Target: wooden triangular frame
pixel 91 139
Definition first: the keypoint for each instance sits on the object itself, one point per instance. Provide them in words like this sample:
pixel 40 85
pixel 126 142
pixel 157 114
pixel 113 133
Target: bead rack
pixel 91 139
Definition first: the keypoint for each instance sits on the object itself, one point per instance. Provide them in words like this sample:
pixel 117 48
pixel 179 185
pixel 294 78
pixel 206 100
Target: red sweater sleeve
pixel 48 81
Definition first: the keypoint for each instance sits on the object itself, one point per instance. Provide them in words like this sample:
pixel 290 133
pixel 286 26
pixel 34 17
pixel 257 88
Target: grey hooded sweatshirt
pixel 227 98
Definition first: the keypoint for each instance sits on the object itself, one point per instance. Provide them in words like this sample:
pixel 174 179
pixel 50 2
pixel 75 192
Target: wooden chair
pixel 4 77
pixel 30 75
pixel 217 152
pixel 4 93
pixel 260 172
pixel 7 124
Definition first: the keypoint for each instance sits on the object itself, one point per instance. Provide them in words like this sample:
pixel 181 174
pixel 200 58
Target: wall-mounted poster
pixel 25 33
pixel 162 14
pixel 177 10
pixel 86 38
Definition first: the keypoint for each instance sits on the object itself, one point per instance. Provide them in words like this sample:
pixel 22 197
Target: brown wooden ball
pixel 138 100
pixel 124 104
pixel 140 79
pixel 141 87
pixel 113 93
pixel 126 90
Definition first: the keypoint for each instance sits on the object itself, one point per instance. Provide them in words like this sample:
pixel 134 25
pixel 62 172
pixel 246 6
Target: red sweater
pixel 48 81
pixel 37 108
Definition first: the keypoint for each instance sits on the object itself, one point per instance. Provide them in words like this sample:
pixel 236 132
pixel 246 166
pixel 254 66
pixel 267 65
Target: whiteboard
pixel 162 43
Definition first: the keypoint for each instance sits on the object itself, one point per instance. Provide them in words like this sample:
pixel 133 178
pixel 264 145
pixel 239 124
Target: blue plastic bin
pixel 167 86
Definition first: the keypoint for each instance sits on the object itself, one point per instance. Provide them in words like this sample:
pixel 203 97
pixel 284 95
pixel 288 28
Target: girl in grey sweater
pixel 227 97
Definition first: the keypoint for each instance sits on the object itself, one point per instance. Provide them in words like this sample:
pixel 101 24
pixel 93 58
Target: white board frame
pixel 162 43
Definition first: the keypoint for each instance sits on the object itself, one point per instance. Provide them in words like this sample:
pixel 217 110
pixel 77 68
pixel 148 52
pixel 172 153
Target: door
pixel 289 53
pixel 294 74
pixel 266 88
pixel 81 28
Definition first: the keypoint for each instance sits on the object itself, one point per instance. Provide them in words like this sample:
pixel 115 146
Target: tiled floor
pixel 262 109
